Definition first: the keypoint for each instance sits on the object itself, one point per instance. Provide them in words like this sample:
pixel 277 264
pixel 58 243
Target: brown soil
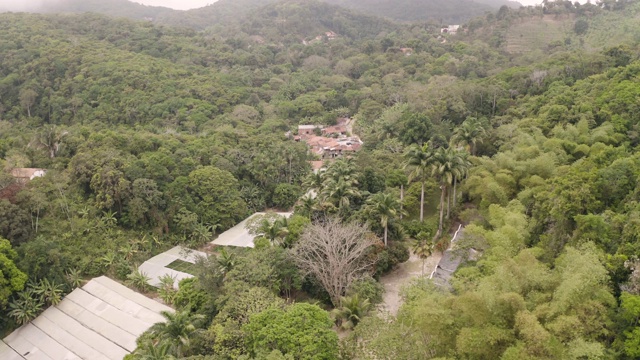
pixel 401 276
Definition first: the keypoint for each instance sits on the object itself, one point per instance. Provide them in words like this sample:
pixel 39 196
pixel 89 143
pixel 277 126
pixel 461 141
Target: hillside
pixel 228 11
pixel 295 21
pixel 120 139
pixel 441 11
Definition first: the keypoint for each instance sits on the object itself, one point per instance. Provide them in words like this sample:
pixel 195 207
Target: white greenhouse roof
pixel 100 321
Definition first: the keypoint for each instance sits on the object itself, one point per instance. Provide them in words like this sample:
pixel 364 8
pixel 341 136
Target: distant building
pixel 407 51
pixel 331 35
pixel 451 29
pixel 308 129
pixel 24 175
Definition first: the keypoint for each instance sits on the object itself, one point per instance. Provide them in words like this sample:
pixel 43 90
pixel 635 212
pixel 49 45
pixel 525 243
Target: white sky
pixel 26 5
pixel 193 4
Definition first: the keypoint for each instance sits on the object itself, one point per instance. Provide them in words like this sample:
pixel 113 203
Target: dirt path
pixel 402 275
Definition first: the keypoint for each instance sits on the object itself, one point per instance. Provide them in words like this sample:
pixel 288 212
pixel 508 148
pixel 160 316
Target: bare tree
pixel 336 254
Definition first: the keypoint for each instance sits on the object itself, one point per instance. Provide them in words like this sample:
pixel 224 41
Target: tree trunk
pixel 455 199
pixel 401 199
pixel 442 193
pixel 386 230
pixel 448 203
pixel 422 202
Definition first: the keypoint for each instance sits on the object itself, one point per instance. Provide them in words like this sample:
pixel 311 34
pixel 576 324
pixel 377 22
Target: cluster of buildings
pixel 329 35
pixel 329 142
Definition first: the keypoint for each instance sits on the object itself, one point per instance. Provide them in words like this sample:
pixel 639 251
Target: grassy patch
pixel 183 266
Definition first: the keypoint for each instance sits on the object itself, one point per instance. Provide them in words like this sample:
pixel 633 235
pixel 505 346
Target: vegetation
pixel 155 136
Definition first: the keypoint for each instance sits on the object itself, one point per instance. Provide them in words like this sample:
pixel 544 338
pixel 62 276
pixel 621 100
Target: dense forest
pixel 523 128
pixel 229 11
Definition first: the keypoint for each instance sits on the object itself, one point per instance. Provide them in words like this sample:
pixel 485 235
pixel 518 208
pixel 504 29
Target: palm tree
pixel 50 138
pixel 273 231
pixel 470 132
pixel 26 307
pixel 178 330
pixel 420 159
pixel 352 309
pixel 422 248
pixel 462 166
pixel 74 278
pixel 314 181
pixel 139 280
pixel 385 207
pixel 154 351
pixel 342 169
pixel 339 193
pixel 226 261
pixel 166 291
pixel 447 167
pixel 307 205
pixel 202 233
pixel 50 293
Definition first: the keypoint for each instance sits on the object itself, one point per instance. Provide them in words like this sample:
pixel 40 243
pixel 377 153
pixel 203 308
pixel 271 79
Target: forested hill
pixel 154 136
pixel 294 21
pixel 228 11
pixel 439 11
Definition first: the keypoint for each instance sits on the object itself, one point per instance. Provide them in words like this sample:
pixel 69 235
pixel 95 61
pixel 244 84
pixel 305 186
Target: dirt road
pixel 402 275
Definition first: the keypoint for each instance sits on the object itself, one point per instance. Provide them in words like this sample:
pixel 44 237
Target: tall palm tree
pixel 420 160
pixel 470 132
pixel 385 207
pixel 342 169
pixel 50 138
pixel 314 181
pixel 339 194
pixel 445 169
pixel 462 166
pixel 422 248
pixel 178 330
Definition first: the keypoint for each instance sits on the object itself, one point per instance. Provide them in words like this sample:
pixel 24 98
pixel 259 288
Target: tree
pixel 301 330
pixel 178 329
pixel 274 230
pixel 26 307
pixel 447 166
pixel 335 254
pixel 50 138
pixel 352 309
pixel 422 248
pixel 470 132
pixel 339 193
pixel 219 200
pixel 398 178
pixel 420 159
pixel 28 99
pixel 11 278
pixel 150 350
pixel 385 207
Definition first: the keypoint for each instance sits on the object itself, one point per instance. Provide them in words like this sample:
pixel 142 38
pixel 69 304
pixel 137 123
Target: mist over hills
pixel 228 11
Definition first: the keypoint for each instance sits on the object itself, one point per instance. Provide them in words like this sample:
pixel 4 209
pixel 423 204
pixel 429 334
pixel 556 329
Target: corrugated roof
pixel 101 321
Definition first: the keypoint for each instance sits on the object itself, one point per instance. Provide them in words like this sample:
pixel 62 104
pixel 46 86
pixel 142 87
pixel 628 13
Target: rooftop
pixel 100 321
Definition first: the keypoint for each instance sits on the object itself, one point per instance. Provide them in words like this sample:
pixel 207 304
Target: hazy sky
pixel 25 5
pixel 176 4
pixel 192 4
